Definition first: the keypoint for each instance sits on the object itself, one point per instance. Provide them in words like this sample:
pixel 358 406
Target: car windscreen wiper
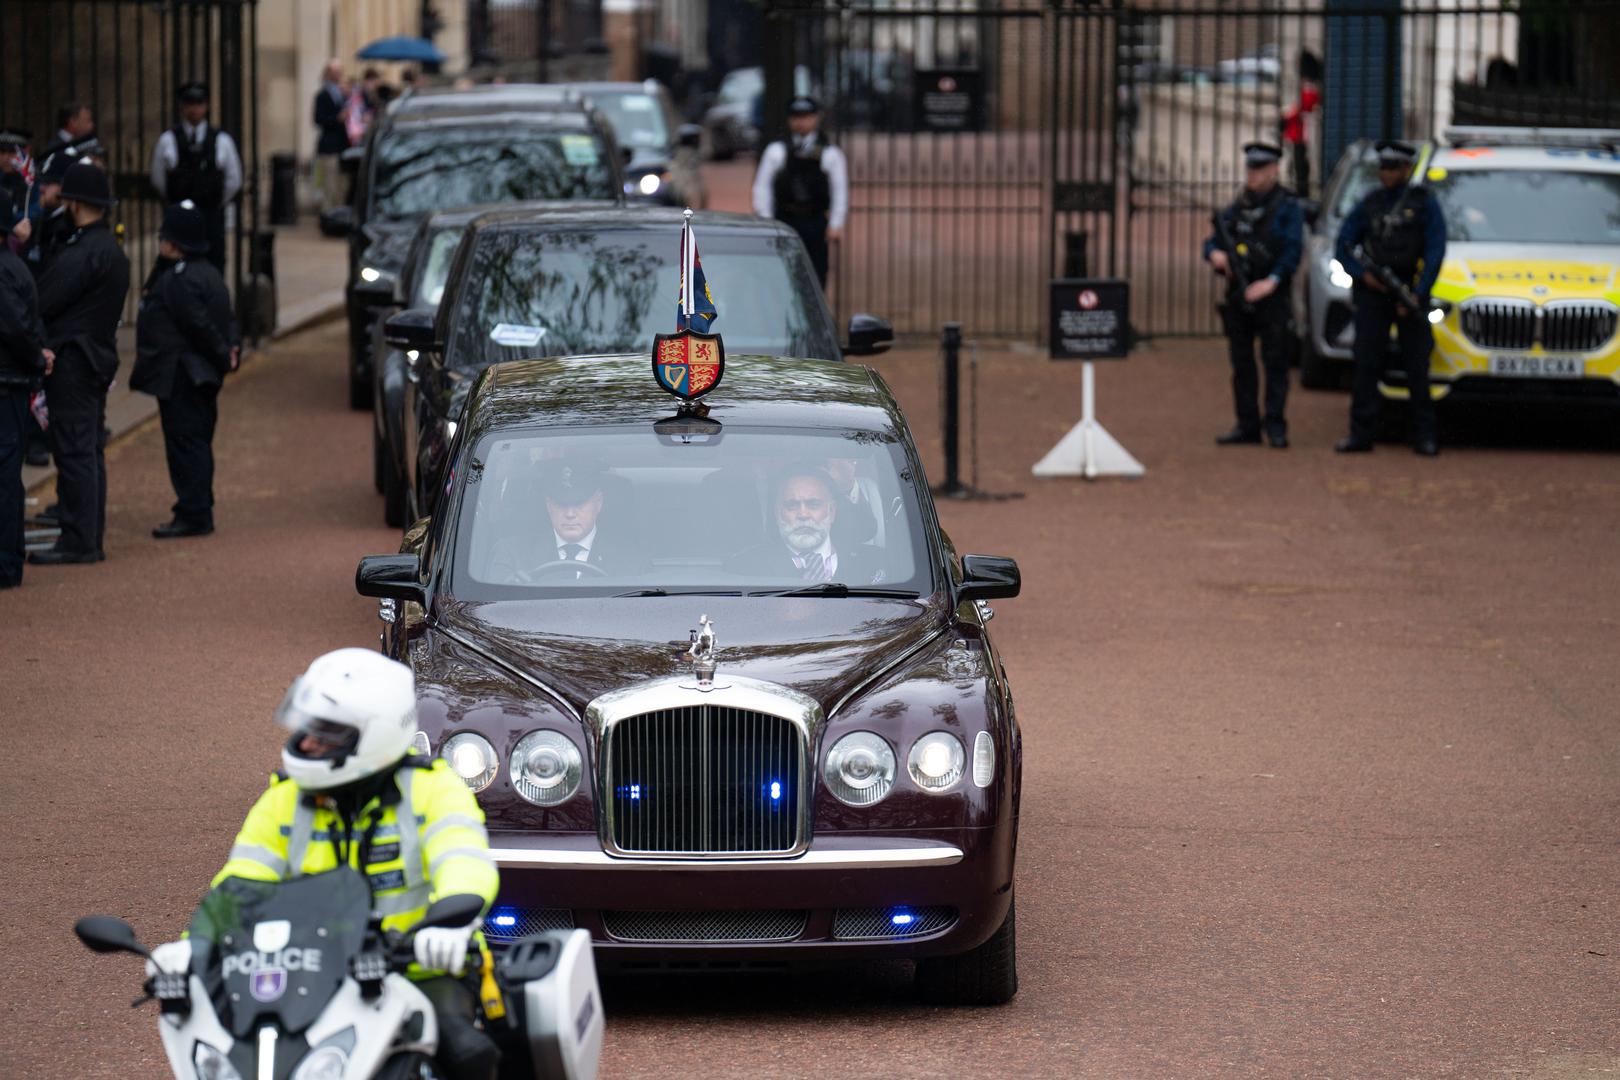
pixel 656 591
pixel 837 589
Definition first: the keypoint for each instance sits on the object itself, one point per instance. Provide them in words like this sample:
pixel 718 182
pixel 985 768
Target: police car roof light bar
pixel 1475 135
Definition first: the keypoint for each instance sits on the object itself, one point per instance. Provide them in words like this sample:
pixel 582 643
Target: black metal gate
pixel 992 146
pixel 123 59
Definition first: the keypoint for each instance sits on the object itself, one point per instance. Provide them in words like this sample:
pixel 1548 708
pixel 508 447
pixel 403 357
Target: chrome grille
pixel 1500 324
pixel 525 921
pixel 890 922
pixel 1558 326
pixel 704 779
pixel 704 925
pixel 1577 325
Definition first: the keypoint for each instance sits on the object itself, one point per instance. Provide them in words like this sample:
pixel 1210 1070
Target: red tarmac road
pixel 1322 755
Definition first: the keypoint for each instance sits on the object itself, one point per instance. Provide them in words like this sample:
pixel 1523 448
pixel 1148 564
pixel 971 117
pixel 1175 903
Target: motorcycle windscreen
pixel 279 950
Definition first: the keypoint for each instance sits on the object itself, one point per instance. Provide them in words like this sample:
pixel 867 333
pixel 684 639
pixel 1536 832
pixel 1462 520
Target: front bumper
pixel 967 871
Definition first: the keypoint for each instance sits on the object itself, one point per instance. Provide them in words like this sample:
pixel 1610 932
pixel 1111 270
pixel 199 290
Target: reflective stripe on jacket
pixel 443 851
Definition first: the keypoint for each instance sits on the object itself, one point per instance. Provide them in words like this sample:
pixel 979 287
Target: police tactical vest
pixel 1251 232
pixel 802 188
pixel 1395 237
pixel 196 174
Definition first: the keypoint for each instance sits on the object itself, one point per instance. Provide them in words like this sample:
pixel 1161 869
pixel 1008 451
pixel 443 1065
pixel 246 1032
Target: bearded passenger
pixel 804 508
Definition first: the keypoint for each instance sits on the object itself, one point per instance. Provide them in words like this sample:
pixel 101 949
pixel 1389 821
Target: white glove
pixel 173 957
pixel 443 949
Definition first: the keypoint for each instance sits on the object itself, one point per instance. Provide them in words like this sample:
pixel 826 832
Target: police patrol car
pixel 1532 267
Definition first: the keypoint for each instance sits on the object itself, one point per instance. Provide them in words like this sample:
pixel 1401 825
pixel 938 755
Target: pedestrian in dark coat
pixel 81 299
pixel 23 362
pixel 185 342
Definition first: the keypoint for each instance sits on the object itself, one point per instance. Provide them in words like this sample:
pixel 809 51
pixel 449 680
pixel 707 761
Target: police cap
pixel 14 137
pixel 803 105
pixel 86 182
pixel 1392 152
pixel 193 92
pixel 569 483
pixel 1258 154
pixel 184 227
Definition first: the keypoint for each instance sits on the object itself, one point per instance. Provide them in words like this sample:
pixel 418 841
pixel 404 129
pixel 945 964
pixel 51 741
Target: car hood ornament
pixel 700 654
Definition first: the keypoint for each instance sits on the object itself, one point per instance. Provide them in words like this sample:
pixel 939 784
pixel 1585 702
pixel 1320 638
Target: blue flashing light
pixel 635 791
pixel 776 790
pixel 902 918
pixel 504 920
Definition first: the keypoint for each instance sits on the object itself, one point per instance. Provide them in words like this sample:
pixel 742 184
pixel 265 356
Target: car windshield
pixel 436 266
pixel 631 511
pixel 1359 178
pixel 744 84
pixel 551 292
pixel 1530 206
pixel 421 171
pixel 637 119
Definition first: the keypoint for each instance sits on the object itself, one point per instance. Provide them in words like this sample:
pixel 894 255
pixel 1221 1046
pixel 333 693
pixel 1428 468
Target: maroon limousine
pixel 721 682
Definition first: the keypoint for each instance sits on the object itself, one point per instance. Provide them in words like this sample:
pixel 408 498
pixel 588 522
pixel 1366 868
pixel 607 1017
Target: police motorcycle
pixel 294 980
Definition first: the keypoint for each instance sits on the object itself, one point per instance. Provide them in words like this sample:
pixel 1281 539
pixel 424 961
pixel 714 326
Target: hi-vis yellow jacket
pixel 442 849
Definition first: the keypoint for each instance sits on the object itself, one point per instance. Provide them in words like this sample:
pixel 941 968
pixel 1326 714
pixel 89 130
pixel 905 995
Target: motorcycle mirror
pixel 455 910
pixel 105 934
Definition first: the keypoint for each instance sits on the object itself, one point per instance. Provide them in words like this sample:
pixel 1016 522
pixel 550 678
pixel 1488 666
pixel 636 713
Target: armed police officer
pixel 1391 244
pixel 81 299
pixel 196 160
pixel 351 792
pixel 185 342
pixel 1256 245
pixel 804 183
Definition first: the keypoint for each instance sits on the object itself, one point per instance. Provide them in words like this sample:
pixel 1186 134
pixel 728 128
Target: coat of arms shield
pixel 688 364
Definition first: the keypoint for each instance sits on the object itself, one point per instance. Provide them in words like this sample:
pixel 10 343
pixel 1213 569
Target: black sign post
pixel 1089 319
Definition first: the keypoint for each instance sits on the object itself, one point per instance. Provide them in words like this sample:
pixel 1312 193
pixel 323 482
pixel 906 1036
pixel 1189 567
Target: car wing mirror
pixel 988 577
pixel 105 934
pixel 391 577
pixel 457 909
pixel 413 328
pixel 868 335
pixel 380 291
pixel 337 221
pixel 690 135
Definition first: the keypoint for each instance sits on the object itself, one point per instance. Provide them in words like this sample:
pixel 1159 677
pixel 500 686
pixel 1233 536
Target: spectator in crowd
pixel 23 361
pixel 197 161
pixel 16 180
pixel 185 341
pixel 331 135
pixel 74 123
pixel 81 299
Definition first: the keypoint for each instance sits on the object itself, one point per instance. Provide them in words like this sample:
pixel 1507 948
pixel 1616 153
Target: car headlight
pixel 327 1063
pixel 1437 315
pixel 212 1064
pixel 859 769
pixel 370 273
pixel 936 760
pixel 546 767
pixel 1338 276
pixel 472 758
pixel 649 184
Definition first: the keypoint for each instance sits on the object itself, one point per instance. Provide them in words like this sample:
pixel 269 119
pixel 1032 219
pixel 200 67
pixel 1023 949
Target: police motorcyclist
pixel 196 160
pixel 348 783
pixel 81 299
pixel 1401 227
pixel 1257 247
pixel 185 341
pixel 804 183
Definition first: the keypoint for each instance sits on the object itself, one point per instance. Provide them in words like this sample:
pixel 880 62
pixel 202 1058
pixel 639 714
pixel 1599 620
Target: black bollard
pixel 951 348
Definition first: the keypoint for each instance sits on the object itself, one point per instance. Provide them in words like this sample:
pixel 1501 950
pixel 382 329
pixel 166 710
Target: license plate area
pixel 1527 366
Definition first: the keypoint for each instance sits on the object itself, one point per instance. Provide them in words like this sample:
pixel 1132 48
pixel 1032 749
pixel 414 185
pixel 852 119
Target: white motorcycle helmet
pixel 356 711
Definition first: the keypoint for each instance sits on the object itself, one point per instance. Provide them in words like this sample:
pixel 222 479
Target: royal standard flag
pixel 695 308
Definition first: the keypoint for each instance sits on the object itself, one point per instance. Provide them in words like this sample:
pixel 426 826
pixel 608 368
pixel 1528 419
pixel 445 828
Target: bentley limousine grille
pixel 705 780
pixel 1558 326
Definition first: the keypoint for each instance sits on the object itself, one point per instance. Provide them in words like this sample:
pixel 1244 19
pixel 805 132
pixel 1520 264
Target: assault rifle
pixel 1398 288
pixel 1237 274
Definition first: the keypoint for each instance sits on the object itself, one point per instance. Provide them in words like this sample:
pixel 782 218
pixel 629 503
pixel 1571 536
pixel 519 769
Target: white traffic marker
pixel 1088 450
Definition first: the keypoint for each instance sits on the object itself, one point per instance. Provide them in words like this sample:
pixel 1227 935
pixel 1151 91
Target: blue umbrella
pixel 402 47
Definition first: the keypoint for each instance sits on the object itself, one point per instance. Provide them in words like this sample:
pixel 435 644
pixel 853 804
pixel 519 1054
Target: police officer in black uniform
pixel 1256 244
pixel 804 183
pixel 185 342
pixel 81 298
pixel 23 361
pixel 1398 226
pixel 196 161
